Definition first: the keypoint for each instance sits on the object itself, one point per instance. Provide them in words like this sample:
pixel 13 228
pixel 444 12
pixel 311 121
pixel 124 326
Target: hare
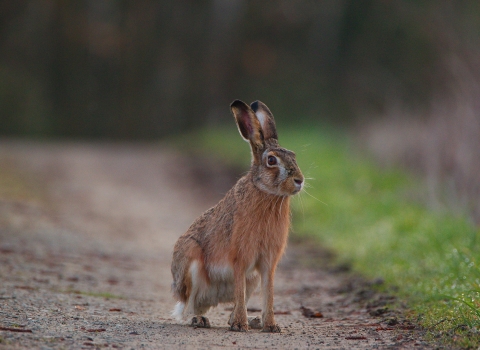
pixel 231 247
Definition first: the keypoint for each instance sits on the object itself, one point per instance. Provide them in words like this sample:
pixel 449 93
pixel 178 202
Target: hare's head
pixel 274 168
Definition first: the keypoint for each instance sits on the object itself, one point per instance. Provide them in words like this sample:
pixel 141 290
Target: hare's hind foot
pixel 274 328
pixel 200 322
pixel 255 322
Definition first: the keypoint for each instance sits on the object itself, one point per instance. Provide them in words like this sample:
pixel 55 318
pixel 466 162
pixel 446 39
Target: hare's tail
pixel 178 311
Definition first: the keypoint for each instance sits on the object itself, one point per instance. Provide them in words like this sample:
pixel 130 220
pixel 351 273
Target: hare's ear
pixel 265 117
pixel 248 125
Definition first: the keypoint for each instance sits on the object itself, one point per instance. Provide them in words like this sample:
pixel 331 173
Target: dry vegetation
pixel 442 144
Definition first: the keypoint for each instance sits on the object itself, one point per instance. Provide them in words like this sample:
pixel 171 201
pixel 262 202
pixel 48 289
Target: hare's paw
pixel 239 327
pixel 200 322
pixel 255 322
pixel 274 328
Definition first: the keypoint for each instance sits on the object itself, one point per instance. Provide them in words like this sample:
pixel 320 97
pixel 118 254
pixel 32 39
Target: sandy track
pixel 85 261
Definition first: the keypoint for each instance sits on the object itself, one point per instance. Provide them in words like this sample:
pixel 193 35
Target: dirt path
pixel 85 253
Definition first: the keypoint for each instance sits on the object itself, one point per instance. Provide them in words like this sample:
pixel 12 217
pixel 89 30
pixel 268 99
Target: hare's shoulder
pixel 220 218
pixel 229 203
pixel 243 189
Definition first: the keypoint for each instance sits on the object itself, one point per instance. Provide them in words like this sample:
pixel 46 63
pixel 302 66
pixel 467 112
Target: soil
pixel 86 236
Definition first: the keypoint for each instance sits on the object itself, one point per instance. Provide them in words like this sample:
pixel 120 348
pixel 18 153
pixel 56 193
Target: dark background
pixel 145 69
pixel 402 77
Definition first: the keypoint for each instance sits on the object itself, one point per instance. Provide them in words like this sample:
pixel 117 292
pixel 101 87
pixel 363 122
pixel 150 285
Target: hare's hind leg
pixel 199 320
pixel 193 304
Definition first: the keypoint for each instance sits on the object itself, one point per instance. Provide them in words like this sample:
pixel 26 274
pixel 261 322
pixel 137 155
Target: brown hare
pixel 232 246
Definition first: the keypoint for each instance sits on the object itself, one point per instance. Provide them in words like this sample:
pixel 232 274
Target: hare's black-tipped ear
pixel 265 117
pixel 248 124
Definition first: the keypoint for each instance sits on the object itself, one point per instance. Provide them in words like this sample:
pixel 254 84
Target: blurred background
pixel 403 76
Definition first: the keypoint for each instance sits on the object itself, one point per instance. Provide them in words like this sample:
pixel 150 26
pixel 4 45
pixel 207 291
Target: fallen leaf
pixel 309 313
pixel 98 330
pixel 115 309
pixel 79 307
pixel 13 329
pixel 356 337
pixel 253 309
pixel 25 287
pixel 407 327
pixel 40 280
pixel 379 311
pixel 306 311
pixel 282 312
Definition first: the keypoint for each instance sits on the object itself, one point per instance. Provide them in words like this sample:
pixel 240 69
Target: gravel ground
pixel 86 235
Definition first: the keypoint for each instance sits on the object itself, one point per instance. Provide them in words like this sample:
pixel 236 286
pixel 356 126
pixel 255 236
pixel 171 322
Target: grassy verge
pixel 377 221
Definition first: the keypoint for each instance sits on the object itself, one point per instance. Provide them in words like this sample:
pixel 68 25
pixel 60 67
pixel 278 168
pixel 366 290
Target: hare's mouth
pixel 296 191
pixel 298 185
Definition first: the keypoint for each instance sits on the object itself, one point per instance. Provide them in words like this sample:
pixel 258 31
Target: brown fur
pixel 246 232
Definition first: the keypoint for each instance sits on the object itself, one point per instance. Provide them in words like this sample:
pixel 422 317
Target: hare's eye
pixel 271 161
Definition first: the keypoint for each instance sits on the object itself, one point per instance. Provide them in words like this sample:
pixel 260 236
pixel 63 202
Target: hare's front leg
pixel 269 325
pixel 239 321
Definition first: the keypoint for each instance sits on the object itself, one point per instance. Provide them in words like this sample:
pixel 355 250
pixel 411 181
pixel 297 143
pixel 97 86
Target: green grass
pixel 105 295
pixel 378 221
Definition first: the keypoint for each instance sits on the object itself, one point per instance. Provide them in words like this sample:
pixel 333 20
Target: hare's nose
pixel 298 182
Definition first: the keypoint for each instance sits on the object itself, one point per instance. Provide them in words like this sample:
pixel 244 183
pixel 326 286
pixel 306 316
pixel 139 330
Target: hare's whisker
pixel 267 205
pixel 268 209
pixel 281 203
pixel 273 213
pixel 259 204
pixel 300 199
pixel 314 197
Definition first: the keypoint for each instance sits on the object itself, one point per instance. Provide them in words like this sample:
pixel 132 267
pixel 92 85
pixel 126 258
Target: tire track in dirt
pixel 86 264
